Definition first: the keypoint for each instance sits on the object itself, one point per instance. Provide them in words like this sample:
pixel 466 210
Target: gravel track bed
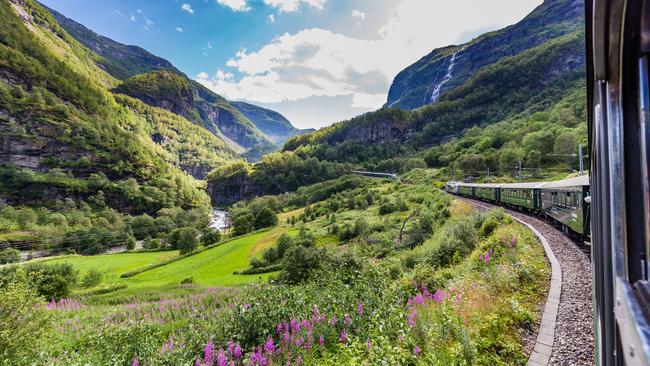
pixel 574 339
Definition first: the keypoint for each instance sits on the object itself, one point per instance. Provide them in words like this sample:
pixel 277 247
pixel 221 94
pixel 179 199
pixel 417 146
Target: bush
pixel 265 218
pixel 210 236
pixel 51 281
pixel 24 323
pixel 299 262
pixel 188 280
pixel 9 255
pixel 387 207
pixel 130 243
pixel 185 239
pixel 242 222
pixel 91 278
pixel 488 227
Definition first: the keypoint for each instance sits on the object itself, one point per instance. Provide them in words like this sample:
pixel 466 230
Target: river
pixel 219 219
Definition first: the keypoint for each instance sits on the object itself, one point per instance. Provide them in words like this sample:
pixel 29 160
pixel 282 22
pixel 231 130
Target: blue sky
pixel 315 61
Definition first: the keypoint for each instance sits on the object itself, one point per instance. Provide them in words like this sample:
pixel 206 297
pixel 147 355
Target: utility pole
pixel 520 176
pixel 488 171
pixel 580 158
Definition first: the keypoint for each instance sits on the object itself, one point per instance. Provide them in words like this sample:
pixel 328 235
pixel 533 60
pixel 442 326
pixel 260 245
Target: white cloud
pixel 235 5
pixel 132 18
pixel 148 22
pixel 358 14
pixel 319 63
pixel 139 11
pixel 202 75
pixel 179 29
pixel 293 5
pixel 209 45
pixel 271 18
pixel 188 8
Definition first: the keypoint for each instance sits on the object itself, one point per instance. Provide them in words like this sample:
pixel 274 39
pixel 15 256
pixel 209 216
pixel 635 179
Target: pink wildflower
pixel 344 336
pixel 360 309
pixel 368 344
pixel 238 352
pixel 347 320
pixel 208 352
pixel 321 340
pixel 135 360
pixel 417 351
pixel 269 347
pixel 221 358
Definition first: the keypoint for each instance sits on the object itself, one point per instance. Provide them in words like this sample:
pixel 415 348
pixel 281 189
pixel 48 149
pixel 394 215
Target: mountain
pixel 157 82
pixel 449 67
pixel 271 123
pixel 64 136
pixel 176 93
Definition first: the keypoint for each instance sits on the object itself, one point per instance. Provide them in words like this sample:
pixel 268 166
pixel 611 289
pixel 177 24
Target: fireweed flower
pixel 347 320
pixel 417 351
pixel 238 352
pixel 368 344
pixel 231 346
pixel 321 340
pixel 208 352
pixel 197 362
pixel 333 321
pixel 344 336
pixel 360 309
pixel 269 347
pixel 135 361
pixel 221 358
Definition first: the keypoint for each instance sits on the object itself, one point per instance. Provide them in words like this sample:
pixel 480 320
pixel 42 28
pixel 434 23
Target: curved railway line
pixel 573 340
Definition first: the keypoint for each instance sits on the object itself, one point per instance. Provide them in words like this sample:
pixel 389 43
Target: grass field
pixel 113 265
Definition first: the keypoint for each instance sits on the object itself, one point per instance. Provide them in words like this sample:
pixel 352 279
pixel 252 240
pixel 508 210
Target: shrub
pixel 210 235
pixel 130 243
pixel 185 239
pixel 242 222
pixel 265 218
pixel 387 207
pixel 24 323
pixel 299 262
pixel 188 280
pixel 91 278
pixel 51 281
pixel 487 228
pixel 9 255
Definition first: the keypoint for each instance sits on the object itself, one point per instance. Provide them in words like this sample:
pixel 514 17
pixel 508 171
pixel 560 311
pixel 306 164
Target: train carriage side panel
pixel 563 201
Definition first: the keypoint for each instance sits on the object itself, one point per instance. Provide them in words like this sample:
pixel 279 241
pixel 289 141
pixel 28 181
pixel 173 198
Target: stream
pixel 219 219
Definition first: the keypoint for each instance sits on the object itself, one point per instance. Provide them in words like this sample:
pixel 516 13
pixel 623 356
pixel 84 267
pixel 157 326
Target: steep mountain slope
pixel 119 60
pixel 64 136
pixel 271 123
pixel 449 67
pixel 176 93
pixel 157 82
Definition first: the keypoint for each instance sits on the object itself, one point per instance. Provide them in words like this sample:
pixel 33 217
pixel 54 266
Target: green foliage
pixel 24 324
pixel 210 236
pixel 185 239
pixel 265 218
pixel 130 243
pixel 9 255
pixel 91 278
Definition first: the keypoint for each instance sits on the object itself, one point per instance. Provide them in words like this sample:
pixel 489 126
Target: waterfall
pixel 450 69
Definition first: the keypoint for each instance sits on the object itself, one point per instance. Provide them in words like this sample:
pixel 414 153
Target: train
pixel 565 202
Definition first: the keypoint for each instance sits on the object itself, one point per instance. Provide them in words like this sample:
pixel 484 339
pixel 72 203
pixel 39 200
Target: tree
pixel 541 141
pixel 509 160
pixel 9 255
pixel 566 145
pixel 265 218
pixel 299 262
pixel 51 281
pixel 24 323
pixel 210 236
pixel 242 223
pixel 130 243
pixel 534 159
pixel 471 164
pixel 91 278
pixel 185 239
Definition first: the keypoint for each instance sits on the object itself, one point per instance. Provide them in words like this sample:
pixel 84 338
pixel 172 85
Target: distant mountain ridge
pixel 413 87
pixel 137 67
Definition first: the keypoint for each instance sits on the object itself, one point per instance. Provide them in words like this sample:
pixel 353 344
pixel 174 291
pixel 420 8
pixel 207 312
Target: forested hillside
pixel 75 158
pixel 157 82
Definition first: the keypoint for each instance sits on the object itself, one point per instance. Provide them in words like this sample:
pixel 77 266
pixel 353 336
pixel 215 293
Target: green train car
pixel 564 201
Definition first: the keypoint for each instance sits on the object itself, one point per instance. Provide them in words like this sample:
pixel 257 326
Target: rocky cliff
pixel 422 83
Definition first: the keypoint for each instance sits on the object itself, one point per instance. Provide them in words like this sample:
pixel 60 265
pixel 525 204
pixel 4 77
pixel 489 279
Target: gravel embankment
pixel 574 339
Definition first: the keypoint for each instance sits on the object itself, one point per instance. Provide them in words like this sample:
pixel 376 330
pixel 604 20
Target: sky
pixel 315 61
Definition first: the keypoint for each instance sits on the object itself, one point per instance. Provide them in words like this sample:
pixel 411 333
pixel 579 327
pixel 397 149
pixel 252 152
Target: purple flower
pixel 221 358
pixel 411 318
pixel 231 346
pixel 197 362
pixel 315 311
pixel 347 320
pixel 368 343
pixel 269 347
pixel 238 352
pixel 299 360
pixel 208 352
pixel 135 360
pixel 344 336
pixel 360 309
pixel 417 351
pixel 321 340
pixel 333 321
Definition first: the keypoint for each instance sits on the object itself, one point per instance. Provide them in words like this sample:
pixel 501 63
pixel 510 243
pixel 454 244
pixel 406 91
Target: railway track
pixel 573 342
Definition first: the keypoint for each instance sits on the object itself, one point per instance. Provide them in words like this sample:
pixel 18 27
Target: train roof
pixel 582 180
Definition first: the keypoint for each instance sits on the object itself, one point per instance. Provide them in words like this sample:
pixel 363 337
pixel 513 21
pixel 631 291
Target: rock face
pixel 271 123
pixel 413 87
pixel 236 188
